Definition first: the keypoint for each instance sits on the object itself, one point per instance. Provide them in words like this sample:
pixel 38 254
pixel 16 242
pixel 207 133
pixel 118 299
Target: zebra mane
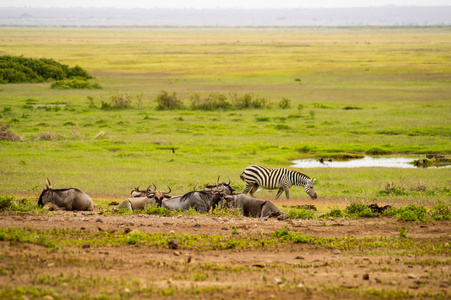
pixel 299 172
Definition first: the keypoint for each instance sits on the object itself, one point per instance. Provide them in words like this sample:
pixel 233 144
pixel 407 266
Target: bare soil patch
pixel 286 271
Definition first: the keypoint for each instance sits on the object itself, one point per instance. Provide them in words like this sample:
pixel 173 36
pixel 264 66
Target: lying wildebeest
pixel 252 207
pixel 138 193
pixel 151 197
pixel 202 200
pixel 68 199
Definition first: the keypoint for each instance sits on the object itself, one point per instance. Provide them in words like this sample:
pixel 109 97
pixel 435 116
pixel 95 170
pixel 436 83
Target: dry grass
pixel 8 135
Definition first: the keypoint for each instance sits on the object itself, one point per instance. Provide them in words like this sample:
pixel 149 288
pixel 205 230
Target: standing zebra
pixel 280 178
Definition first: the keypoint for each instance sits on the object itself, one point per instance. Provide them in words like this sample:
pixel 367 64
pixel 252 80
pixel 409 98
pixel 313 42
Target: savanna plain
pixel 316 92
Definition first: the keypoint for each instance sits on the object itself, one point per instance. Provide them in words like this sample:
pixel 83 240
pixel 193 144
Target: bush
pixel 7 135
pixel 75 83
pixel 358 209
pixel 285 103
pixel 119 101
pixel 335 212
pixel 157 210
pixel 214 101
pixel 393 189
pixel 411 213
pixel 17 69
pixel 441 212
pixel 248 100
pixel 303 214
pixel 295 237
pixel 6 202
pixel 168 102
pixel 377 151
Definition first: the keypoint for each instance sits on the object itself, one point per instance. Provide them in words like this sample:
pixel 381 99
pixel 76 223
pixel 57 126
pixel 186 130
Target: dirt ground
pixel 286 271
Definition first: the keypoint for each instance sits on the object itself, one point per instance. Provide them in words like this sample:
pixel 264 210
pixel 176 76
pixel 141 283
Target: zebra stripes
pixel 280 178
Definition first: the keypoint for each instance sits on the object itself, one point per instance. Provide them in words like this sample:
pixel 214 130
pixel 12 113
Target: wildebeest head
pixel 158 195
pixel 138 193
pixel 309 188
pixel 44 197
pixel 220 187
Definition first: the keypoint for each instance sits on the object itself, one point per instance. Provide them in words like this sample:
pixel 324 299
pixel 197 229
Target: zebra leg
pixel 254 189
pixel 287 192
pixel 247 188
pixel 279 193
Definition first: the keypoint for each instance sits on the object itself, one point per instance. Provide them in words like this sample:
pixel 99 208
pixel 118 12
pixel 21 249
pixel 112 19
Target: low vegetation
pixel 75 83
pixel 18 69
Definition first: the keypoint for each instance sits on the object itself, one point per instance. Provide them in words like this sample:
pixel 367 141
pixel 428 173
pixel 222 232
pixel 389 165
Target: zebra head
pixel 309 189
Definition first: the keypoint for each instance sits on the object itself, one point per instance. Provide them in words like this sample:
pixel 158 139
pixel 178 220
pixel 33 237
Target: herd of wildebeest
pixel 203 200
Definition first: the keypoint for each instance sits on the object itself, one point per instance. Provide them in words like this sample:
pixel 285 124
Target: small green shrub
pixel 248 100
pixel 75 83
pixel 298 238
pixel 351 107
pixel 295 237
pixel 199 277
pixel 168 102
pixel 157 210
pixel 393 189
pixel 377 151
pixel 359 209
pixel 119 101
pixel 262 119
pixel 303 214
pixel 135 238
pixel 6 202
pixel 335 212
pixel 282 127
pixel 441 211
pixel 214 101
pixel 403 231
pixel 411 213
pixel 285 103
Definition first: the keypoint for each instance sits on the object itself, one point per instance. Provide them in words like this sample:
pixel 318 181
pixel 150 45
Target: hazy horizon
pixel 206 4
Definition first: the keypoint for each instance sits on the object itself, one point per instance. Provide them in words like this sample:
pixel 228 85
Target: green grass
pixel 398 78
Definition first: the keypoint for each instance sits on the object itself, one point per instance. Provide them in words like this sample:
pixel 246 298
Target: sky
pixel 199 4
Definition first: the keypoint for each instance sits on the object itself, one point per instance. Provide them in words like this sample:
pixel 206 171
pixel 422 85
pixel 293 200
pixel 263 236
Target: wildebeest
pixel 252 207
pixel 68 199
pixel 202 200
pixel 138 193
pixel 151 197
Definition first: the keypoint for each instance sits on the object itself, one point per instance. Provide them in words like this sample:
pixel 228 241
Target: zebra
pixel 280 178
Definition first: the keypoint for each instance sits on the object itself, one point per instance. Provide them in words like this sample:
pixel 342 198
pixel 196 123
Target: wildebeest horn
pixel 229 180
pixel 48 184
pixel 218 191
pixel 137 188
pixel 149 191
pixel 194 187
pixel 165 193
pixel 217 182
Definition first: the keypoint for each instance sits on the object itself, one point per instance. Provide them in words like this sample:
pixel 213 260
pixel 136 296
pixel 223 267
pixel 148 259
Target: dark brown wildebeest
pixel 68 199
pixel 201 200
pixel 252 207
pixel 151 197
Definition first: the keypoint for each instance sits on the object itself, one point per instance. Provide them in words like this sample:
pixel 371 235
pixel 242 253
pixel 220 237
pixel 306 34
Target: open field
pixel 350 91
pixel 69 255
